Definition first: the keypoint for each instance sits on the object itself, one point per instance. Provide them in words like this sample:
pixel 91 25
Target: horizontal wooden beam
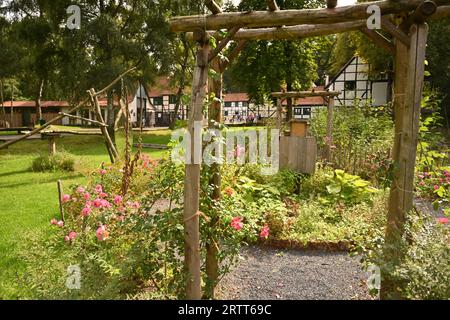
pixel 441 12
pixel 294 32
pixel 258 19
pixel 304 94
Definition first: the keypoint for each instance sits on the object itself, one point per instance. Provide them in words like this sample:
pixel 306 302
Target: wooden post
pixel 60 195
pixel 214 118
pixel 51 145
pixel 410 69
pixel 329 137
pixel 192 177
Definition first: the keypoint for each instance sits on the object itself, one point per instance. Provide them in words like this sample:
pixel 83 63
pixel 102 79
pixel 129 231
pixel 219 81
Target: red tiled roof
pixel 311 101
pixel 32 104
pixel 235 97
pixel 161 88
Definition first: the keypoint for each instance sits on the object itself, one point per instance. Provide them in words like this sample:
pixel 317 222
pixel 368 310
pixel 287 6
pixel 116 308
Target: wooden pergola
pixel 408 47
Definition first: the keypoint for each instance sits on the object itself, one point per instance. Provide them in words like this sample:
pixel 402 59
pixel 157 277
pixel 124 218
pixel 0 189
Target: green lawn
pixel 29 200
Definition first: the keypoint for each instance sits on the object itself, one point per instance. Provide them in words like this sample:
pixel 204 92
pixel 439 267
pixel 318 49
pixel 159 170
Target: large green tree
pixel 267 66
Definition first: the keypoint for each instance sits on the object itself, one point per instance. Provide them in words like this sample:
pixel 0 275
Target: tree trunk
pixel 12 106
pixel 2 102
pixel 38 101
pixel 111 118
pixel 289 103
pixel 184 66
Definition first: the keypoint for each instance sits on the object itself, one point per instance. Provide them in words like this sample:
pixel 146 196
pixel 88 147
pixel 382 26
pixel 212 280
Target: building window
pixel 158 101
pixel 227 104
pixel 172 99
pixel 350 85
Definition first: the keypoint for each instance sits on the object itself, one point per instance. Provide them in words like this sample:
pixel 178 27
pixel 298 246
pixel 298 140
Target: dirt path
pixel 265 273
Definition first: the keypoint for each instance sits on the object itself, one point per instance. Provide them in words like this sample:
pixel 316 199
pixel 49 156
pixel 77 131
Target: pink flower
pixel 72 235
pixel 421 183
pixel 121 218
pixel 265 232
pixel 421 176
pixel 101 233
pixel 60 224
pixel 97 203
pixel 105 204
pixel 436 187
pixel 236 223
pixel 102 172
pixel 98 188
pixel 87 196
pixel 441 181
pixel 81 190
pixel 447 179
pixel 86 211
pixel 118 200
pixel 67 238
pixel 442 220
pixel 121 209
pixel 54 222
pixel 103 195
pixel 66 198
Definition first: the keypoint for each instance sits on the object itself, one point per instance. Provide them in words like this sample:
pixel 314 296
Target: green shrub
pixel 60 161
pixel 423 271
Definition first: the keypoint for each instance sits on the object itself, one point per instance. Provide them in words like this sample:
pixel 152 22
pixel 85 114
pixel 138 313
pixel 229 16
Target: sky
pixel 340 2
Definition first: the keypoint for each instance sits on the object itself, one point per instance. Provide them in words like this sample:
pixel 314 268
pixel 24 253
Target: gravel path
pixel 270 274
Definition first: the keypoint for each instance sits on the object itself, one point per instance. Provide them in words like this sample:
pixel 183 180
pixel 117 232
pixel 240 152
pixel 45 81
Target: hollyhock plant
pixel 236 223
pixel 265 232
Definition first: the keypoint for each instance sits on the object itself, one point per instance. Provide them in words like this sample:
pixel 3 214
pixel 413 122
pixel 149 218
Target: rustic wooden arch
pixel 409 45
